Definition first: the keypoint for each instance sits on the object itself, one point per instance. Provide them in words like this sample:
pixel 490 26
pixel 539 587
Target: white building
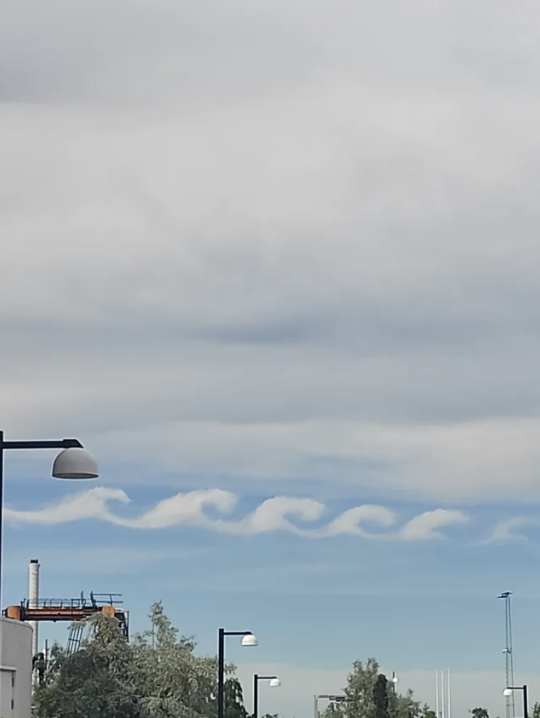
pixel 15 669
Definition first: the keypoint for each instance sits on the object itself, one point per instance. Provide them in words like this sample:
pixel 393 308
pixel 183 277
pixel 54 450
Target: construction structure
pixel 75 611
pixel 70 610
pixel 509 655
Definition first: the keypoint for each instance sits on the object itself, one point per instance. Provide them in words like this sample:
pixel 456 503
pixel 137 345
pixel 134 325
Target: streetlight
pixel 74 462
pixel 274 682
pixel 508 692
pixel 248 639
pixel 332 699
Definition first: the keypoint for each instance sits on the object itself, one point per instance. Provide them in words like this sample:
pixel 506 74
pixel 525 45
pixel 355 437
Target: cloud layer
pixel 321 262
pixel 461 461
pixel 301 516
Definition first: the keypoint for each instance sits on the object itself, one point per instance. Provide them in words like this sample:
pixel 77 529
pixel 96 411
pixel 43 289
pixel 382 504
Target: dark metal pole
pixel 221 671
pixel 24 445
pixel 1 509
pixel 256 696
pixel 525 703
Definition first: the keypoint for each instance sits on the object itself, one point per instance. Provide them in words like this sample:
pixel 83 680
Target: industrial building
pixel 15 668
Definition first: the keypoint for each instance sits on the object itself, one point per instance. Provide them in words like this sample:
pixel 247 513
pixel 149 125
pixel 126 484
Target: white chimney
pixel 33 598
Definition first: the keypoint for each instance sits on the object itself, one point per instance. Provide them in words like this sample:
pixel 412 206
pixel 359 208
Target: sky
pixel 275 264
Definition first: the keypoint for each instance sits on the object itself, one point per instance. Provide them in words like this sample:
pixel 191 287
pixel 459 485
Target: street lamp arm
pixel 61 444
pixel 265 678
pixel 237 633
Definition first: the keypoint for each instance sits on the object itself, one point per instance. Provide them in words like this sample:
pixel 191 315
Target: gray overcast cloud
pixel 302 233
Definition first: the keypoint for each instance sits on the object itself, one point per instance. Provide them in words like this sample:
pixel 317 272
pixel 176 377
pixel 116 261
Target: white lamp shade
pixel 507 692
pixel 395 679
pixel 274 683
pixel 249 640
pixel 75 463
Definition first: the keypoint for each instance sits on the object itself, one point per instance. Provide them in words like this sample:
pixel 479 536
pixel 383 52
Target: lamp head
pixel 507 692
pixel 249 640
pixel 274 683
pixel 75 463
pixel 395 679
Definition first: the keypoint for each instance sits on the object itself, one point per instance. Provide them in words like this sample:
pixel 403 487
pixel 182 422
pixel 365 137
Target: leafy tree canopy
pixel 156 675
pixel 480 713
pixel 368 694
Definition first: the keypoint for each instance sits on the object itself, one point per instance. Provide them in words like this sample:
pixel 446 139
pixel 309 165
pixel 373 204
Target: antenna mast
pixel 508 652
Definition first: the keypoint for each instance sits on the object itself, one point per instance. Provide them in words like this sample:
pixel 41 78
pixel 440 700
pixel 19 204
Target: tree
pixel 369 695
pixel 169 677
pixel 380 697
pixel 233 699
pixel 480 713
pixel 408 707
pixel 157 675
pixel 536 710
pixel 334 709
pixel 95 681
pixel 360 689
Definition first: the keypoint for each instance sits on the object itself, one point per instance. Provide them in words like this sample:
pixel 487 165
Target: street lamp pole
pixel 247 640
pixel 274 683
pixel 508 690
pixel 74 462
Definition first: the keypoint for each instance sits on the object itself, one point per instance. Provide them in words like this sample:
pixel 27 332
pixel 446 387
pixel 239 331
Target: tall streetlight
pixel 332 699
pixel 274 682
pixel 510 689
pixel 248 639
pixel 74 462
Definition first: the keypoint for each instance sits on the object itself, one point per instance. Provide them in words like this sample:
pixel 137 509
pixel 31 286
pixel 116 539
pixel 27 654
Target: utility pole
pixel 508 652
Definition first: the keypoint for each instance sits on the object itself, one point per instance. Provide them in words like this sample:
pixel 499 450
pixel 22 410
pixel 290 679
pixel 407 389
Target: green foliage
pixel 360 689
pixel 536 710
pixel 334 710
pixel 407 707
pixel 380 697
pixel 370 695
pixel 94 681
pixel 157 675
pixel 233 699
pixel 480 713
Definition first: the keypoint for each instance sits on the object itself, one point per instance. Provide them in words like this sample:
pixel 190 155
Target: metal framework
pixel 509 655
pixel 74 610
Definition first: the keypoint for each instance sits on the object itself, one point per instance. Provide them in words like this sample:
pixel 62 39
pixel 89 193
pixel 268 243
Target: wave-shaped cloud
pixel 279 513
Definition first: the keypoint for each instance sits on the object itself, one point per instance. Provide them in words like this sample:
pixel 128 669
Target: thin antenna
pixel 437 713
pixel 449 694
pixel 443 701
pixel 509 655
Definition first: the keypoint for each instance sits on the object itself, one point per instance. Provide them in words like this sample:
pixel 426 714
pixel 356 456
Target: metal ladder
pixel 75 636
